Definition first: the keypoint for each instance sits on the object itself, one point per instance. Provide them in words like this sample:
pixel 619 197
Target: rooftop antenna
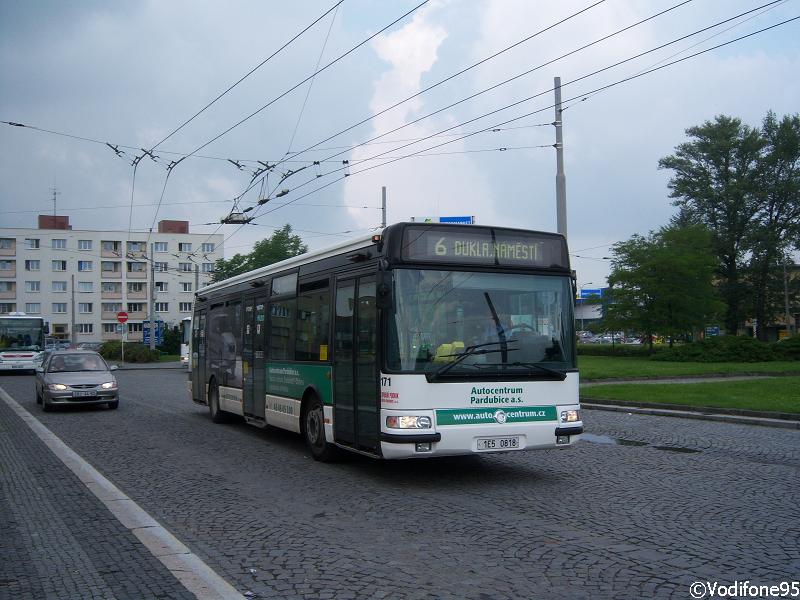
pixel 55 192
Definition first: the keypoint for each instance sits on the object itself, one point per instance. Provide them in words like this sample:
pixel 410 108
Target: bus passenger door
pixel 258 371
pixel 247 355
pixel 355 401
pixel 199 356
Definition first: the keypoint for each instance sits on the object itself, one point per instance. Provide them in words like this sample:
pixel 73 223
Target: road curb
pixel 186 567
pixel 686 414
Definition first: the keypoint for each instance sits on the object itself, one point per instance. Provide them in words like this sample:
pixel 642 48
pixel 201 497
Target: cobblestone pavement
pixel 644 508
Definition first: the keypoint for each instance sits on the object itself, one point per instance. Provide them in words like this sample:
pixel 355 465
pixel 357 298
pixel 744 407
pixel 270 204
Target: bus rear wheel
pixel 314 432
pixel 217 415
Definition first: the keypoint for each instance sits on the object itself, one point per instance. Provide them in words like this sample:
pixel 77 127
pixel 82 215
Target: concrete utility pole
pixel 383 207
pixel 196 277
pixel 74 328
pixel 561 178
pixel 152 297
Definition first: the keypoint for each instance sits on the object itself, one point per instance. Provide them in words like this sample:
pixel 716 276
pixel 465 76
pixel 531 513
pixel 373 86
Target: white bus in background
pixel 186 339
pixel 424 340
pixel 21 342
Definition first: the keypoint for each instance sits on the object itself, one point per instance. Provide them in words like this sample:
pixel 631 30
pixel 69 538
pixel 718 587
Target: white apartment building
pixel 78 280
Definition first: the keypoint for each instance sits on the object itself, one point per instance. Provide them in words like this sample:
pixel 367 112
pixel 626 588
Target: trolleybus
pixel 21 342
pixel 186 337
pixel 424 340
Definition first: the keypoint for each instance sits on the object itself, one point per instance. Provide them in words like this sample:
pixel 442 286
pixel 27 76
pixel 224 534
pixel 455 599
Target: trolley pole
pixel 383 207
pixel 561 178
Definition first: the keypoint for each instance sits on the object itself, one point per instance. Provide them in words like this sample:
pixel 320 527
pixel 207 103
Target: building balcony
pixel 111 295
pixel 135 336
pixel 108 315
pixel 137 295
pixel 111 274
pixel 8 295
pixel 137 315
pixel 8 273
pixel 137 274
pixel 111 253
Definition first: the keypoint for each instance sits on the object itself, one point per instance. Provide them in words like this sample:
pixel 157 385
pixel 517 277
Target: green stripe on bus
pixel 518 414
pixel 290 380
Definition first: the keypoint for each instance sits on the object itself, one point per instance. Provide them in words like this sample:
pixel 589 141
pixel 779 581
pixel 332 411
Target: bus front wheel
pixel 314 432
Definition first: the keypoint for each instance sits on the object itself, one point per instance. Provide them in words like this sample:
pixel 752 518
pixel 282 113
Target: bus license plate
pixel 498 443
pixel 82 394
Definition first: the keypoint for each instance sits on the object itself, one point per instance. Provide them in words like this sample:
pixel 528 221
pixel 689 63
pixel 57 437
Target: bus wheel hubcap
pixel 313 426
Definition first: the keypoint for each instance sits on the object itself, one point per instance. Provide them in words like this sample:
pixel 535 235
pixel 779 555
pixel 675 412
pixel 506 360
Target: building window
pixel 134 327
pixel 59 265
pixel 59 244
pixel 8 265
pixel 136 267
pixel 109 266
pixel 207 248
pixel 33 287
pixel 7 307
pixel 85 308
pixel 160 267
pixel 162 306
pixel 85 286
pixel 31 265
pixel 33 308
pixel 6 243
pixel 111 287
pixel 208 267
pixel 112 307
pixel 186 286
pixel 160 247
pixel 109 327
pixel 137 246
pixel 32 243
pixel 84 244
pixel 184 247
pixel 60 308
pixel 185 306
pixel 9 286
pixel 59 286
pixel 135 288
pixel 135 306
pixel 185 267
pixel 110 246
pixel 161 286
pixel 85 328
pixel 84 265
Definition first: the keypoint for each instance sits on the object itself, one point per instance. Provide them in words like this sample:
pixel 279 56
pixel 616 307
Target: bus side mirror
pixel 383 290
pixel 46 328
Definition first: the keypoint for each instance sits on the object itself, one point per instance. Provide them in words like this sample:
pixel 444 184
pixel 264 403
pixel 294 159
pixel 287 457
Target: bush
pixel 135 353
pixel 787 349
pixel 726 348
pixel 630 351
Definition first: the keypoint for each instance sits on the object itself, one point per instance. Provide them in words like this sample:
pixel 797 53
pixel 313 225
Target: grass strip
pixel 779 394
pixel 610 367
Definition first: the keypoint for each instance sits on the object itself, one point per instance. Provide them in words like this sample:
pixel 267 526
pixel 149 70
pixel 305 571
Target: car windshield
pixel 76 362
pixel 505 322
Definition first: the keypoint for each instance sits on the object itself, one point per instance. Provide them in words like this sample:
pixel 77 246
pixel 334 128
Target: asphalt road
pixel 643 508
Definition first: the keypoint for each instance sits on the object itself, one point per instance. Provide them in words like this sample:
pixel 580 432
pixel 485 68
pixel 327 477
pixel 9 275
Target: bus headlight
pixel 57 387
pixel 408 422
pixel 570 416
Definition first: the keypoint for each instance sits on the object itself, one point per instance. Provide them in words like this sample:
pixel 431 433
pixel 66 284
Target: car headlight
pixel 570 416
pixel 57 387
pixel 108 385
pixel 408 422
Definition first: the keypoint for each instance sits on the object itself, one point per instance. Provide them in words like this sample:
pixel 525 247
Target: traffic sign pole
pixel 122 317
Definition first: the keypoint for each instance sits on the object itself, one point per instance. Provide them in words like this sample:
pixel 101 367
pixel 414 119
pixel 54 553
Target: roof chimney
pixel 54 222
pixel 173 227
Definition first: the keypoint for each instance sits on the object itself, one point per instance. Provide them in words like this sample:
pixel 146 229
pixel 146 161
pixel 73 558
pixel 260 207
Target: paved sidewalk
pixel 56 538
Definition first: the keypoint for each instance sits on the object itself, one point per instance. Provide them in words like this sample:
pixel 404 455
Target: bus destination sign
pixel 479 247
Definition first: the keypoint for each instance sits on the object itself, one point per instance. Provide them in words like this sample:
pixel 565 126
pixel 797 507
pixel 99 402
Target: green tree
pixel 715 177
pixel 743 184
pixel 662 283
pixel 281 245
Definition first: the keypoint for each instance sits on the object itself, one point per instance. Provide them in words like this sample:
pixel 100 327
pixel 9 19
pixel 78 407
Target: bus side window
pixel 281 329
pixel 313 321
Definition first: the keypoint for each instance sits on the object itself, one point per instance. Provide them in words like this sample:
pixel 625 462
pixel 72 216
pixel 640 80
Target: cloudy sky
pixel 131 73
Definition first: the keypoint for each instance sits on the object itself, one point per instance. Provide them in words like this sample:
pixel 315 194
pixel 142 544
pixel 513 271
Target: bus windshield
pixel 507 323
pixel 21 334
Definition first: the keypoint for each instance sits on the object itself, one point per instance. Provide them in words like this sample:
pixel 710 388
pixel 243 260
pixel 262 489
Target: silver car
pixel 70 377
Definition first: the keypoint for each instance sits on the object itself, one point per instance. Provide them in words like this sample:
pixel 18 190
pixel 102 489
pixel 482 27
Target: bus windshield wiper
pixel 560 375
pixel 476 350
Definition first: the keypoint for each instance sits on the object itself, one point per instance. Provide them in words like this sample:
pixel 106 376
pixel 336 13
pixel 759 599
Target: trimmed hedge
pixel 627 350
pixel 787 349
pixel 135 353
pixel 726 348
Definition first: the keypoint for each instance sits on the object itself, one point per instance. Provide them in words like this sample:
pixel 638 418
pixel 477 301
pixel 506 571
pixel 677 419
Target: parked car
pixel 93 346
pixel 70 377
